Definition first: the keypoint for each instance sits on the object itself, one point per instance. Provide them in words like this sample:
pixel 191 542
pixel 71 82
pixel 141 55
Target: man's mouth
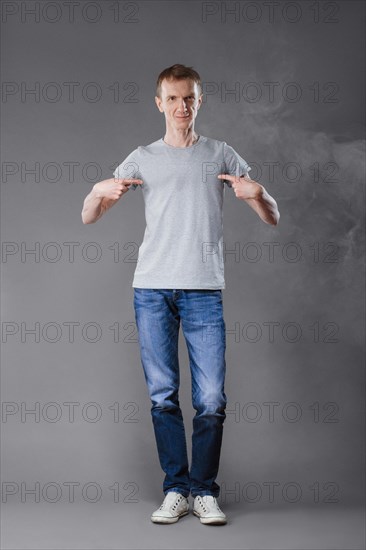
pixel 183 116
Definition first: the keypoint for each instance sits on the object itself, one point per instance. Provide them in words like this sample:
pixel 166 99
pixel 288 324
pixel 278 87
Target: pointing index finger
pixel 226 177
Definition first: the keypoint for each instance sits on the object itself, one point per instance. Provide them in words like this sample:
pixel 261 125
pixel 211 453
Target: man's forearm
pixel 92 207
pixel 265 206
pixel 103 196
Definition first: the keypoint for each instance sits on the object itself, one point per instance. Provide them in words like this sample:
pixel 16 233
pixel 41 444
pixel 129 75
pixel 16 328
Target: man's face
pixel 180 101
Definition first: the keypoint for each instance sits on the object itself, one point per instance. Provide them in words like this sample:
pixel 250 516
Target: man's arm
pixel 264 205
pixel 256 196
pixel 103 196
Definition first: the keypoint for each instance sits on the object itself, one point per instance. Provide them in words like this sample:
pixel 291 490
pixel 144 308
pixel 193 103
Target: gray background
pixel 315 300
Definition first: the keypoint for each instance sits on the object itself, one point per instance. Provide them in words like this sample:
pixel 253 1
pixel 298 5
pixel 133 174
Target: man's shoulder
pixel 153 147
pixel 213 143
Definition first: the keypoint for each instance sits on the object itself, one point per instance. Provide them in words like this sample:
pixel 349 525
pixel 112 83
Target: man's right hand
pixel 113 188
pixel 103 196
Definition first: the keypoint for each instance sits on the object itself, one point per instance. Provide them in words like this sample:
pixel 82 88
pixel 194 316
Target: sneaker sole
pixel 210 521
pixel 162 519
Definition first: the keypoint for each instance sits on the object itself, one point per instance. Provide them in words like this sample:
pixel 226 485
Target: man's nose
pixel 183 106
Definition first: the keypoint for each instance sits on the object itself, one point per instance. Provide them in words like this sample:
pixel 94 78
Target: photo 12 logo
pixel 70 12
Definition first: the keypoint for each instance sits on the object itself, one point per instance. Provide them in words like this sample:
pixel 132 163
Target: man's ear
pixel 158 104
pixel 200 99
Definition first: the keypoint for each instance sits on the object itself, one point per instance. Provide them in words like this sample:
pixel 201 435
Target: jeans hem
pixel 177 490
pixel 205 493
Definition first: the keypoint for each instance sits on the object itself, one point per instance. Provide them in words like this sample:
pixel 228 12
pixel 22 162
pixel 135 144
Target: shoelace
pixel 167 503
pixel 201 502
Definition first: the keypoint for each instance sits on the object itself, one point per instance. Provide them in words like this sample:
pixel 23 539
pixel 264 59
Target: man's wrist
pixel 259 191
pixel 96 193
pixel 255 192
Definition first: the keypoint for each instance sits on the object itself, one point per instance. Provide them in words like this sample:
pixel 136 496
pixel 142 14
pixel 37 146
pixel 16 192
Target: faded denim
pixel 158 314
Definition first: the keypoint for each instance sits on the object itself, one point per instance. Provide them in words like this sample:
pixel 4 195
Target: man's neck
pixel 179 139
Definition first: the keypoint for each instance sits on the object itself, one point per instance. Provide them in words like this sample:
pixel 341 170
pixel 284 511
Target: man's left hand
pixel 244 187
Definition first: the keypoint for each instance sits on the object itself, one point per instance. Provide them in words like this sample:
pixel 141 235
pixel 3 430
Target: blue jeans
pixel 158 313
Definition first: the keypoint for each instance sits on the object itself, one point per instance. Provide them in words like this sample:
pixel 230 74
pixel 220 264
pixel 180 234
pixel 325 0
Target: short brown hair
pixel 178 72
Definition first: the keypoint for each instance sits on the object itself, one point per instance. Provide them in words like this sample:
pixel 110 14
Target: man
pixel 179 276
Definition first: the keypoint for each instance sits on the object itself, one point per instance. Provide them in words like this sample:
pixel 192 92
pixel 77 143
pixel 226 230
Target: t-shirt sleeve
pixel 234 164
pixel 129 168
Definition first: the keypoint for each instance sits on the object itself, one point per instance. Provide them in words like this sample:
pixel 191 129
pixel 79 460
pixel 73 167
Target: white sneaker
pixel 174 506
pixel 207 509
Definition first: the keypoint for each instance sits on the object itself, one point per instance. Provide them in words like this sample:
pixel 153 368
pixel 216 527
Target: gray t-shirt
pixel 182 246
